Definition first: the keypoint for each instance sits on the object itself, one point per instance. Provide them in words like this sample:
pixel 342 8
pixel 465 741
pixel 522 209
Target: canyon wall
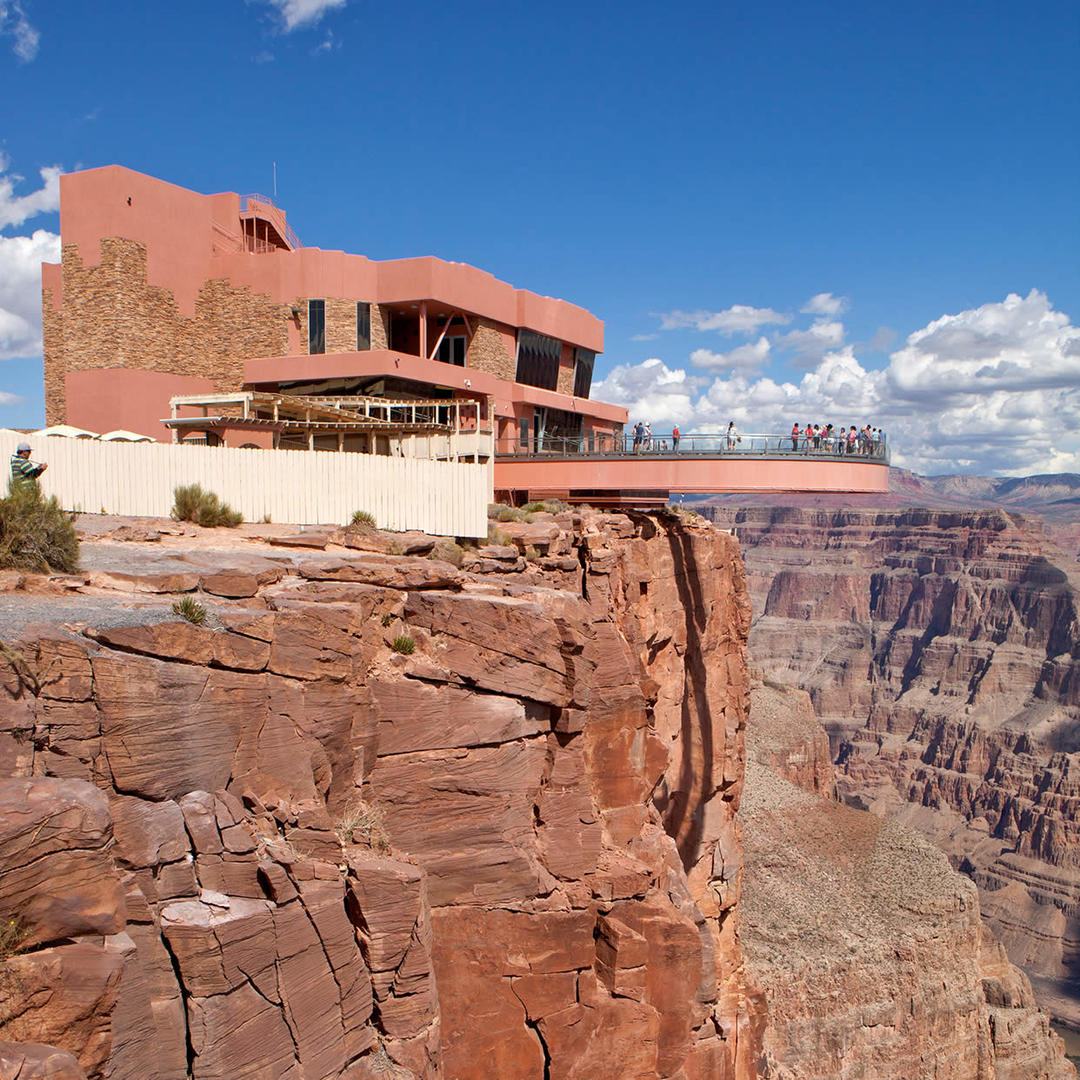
pixel 867 945
pixel 941 651
pixel 381 816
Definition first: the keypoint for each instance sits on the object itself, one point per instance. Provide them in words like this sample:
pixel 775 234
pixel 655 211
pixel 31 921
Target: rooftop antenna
pixel 275 181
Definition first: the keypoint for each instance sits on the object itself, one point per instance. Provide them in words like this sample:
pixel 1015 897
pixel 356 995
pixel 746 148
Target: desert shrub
pixel 387 618
pixel 498 536
pixel 448 551
pixel 187 607
pixel 191 503
pixel 363 824
pixel 508 513
pixel 361 519
pixel 12 936
pixel 32 672
pixel 531 554
pixel 547 506
pixel 35 533
pixel 403 644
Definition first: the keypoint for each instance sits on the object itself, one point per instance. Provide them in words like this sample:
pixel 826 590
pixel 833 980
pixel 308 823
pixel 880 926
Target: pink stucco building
pixel 162 292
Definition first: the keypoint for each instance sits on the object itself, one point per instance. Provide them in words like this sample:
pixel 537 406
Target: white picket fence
pixel 296 486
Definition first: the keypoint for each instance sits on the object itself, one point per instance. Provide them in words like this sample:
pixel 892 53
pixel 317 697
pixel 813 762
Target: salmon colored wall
pixel 111 398
pixel 264 440
pixel 692 475
pixel 178 228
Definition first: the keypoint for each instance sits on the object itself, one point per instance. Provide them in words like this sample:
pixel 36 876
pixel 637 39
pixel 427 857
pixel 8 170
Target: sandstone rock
pixel 300 540
pixel 387 571
pixel 33 1061
pixel 54 846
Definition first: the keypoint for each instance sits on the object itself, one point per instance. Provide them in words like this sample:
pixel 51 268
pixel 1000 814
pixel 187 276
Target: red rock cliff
pixel 280 848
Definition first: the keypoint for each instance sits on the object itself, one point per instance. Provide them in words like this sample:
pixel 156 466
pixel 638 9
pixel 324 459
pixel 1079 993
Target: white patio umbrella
pixel 120 435
pixel 66 431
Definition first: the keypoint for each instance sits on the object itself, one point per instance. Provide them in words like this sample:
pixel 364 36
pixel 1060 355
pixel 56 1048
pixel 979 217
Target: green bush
pixel 35 533
pixel 361 518
pixel 187 607
pixel 191 503
pixel 404 645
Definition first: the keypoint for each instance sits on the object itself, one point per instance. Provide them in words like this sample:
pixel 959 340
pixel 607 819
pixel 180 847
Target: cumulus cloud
pixel 15 209
pixel 745 359
pixel 812 344
pixel 15 24
pixel 20 291
pixel 994 390
pixel 824 303
pixel 295 13
pixel 737 319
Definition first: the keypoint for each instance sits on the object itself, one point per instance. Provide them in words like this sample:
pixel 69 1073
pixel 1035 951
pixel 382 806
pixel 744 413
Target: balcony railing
pixel 596 445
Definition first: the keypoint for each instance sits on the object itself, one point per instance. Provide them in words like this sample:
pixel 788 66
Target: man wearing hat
pixel 24 472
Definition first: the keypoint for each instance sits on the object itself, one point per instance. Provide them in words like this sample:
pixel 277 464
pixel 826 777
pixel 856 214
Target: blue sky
pixel 837 212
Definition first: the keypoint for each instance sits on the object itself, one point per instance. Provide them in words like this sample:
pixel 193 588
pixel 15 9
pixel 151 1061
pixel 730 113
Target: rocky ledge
pixel 379 815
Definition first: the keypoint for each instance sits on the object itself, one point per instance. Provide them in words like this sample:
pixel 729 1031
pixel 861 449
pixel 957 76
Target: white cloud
pixel 14 23
pixel 744 359
pixel 644 337
pixel 20 291
pixel 994 390
pixel 15 209
pixel 296 13
pixel 824 303
pixel 737 319
pixel 812 344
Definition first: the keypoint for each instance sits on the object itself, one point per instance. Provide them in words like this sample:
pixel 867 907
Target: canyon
pixel 395 809
pixel 941 651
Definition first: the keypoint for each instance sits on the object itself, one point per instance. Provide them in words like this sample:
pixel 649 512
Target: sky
pixel 840 212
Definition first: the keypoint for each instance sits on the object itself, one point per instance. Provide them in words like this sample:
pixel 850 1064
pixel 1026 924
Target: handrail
pixel 290 234
pixel 699 445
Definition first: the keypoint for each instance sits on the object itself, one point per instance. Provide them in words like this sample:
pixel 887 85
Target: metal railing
pixel 283 226
pixel 696 445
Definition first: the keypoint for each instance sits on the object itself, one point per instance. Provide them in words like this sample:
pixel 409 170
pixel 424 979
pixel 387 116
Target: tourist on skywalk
pixel 732 436
pixel 675 438
pixel 808 435
pixel 852 439
pixel 639 436
pixel 817 436
pixel 795 436
pixel 648 434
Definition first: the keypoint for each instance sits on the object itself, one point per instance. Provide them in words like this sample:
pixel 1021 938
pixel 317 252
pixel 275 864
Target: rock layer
pixel 867 944
pixel 942 652
pixel 279 846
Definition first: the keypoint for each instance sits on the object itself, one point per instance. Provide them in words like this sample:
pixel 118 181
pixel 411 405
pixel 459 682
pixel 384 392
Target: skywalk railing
pixel 595 445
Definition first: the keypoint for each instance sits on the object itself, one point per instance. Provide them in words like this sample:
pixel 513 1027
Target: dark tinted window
pixel 316 326
pixel 363 326
pixel 583 368
pixel 538 360
pixel 452 351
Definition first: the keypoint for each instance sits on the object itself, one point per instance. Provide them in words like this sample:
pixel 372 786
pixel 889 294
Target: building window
pixel 363 326
pixel 316 326
pixel 538 360
pixel 452 351
pixel 583 369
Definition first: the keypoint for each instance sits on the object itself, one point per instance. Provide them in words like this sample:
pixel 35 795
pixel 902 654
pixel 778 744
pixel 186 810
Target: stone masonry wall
pixel 487 351
pixel 52 332
pixel 113 317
